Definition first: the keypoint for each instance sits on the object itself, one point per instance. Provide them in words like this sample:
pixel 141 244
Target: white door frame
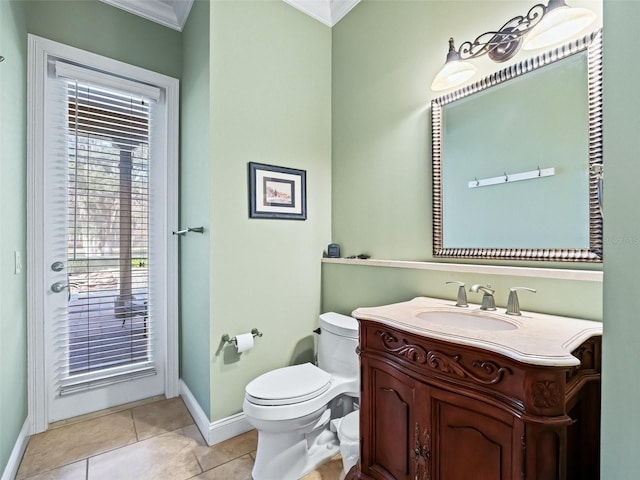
pixel 40 50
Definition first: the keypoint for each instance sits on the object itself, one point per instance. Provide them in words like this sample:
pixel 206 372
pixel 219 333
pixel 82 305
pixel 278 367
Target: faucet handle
pixel 462 294
pixel 513 305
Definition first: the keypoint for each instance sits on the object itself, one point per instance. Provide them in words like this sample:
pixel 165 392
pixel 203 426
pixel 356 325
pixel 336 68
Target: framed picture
pixel 277 192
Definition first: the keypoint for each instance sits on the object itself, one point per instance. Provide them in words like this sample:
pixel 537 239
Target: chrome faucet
pixel 488 302
pixel 462 294
pixel 513 305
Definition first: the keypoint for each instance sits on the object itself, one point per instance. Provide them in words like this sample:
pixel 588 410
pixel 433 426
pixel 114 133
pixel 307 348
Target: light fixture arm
pixel 503 44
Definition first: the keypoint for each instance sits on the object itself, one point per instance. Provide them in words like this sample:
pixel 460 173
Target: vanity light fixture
pixel 542 26
pixel 560 22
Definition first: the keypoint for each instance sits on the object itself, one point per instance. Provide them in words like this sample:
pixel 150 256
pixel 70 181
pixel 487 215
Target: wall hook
pixel 514 177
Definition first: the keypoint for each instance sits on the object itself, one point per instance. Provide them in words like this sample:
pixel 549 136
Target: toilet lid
pixel 350 426
pixel 288 385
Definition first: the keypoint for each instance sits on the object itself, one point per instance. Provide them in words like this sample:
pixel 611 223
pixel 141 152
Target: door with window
pixel 107 305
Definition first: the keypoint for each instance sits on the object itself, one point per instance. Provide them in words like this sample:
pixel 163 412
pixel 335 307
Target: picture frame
pixel 277 192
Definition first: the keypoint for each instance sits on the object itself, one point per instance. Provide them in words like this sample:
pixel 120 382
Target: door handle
pixel 58 287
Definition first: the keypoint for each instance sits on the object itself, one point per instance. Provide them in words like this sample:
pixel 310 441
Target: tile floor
pixel 150 440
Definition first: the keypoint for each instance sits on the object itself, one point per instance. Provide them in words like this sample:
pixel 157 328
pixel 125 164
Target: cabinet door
pixel 473 440
pixel 393 410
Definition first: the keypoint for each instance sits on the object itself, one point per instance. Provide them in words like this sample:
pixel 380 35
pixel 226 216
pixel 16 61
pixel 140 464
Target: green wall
pixel 270 103
pixel 621 380
pixel 100 28
pixel 385 55
pixel 13 294
pixel 194 206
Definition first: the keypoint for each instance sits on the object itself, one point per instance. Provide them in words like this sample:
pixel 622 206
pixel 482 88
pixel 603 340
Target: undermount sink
pixel 472 321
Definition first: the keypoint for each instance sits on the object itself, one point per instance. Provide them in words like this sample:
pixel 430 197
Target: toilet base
pixel 290 448
pixel 291 455
pixel 347 428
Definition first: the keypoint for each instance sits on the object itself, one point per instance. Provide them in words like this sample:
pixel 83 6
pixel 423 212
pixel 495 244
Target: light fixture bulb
pixel 453 73
pixel 558 24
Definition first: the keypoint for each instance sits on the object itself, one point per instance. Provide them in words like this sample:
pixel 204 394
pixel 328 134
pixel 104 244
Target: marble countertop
pixel 536 338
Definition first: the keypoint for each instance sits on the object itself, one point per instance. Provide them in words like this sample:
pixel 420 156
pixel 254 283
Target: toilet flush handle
pixel 318 331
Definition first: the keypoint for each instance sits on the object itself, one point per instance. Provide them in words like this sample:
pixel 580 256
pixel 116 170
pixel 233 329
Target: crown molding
pixel 328 12
pixel 174 13
pixel 170 13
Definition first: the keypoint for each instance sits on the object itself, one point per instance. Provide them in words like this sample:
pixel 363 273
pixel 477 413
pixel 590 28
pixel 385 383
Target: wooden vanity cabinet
pixel 434 410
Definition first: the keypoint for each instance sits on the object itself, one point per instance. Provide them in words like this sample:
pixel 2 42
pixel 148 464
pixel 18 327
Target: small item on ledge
pixel 333 250
pixel 363 256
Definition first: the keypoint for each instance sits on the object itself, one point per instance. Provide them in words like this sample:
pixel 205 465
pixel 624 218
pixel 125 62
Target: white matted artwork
pixel 277 192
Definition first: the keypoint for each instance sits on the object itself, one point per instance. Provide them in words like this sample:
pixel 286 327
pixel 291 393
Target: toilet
pixel 348 430
pixel 293 407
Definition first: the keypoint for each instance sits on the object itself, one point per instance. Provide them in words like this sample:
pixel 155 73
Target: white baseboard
pixel 11 469
pixel 213 432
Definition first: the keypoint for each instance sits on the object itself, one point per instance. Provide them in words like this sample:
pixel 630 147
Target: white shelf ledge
pixel 555 273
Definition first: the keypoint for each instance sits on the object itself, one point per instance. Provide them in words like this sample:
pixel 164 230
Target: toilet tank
pixel 337 345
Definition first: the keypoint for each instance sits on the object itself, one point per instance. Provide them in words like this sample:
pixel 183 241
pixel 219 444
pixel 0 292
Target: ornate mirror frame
pixel 593 45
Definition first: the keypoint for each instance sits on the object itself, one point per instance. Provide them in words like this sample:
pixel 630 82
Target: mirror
pixel 517 160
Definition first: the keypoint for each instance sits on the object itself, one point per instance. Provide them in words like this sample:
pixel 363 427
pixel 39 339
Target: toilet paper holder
pixel 227 339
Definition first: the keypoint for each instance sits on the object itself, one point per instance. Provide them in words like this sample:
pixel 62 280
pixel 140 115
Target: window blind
pixel 75 72
pixel 105 334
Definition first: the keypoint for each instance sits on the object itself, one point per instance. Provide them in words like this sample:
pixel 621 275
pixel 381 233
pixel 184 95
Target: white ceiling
pixel 174 13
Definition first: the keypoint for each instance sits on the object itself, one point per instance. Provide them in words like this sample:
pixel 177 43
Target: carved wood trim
pixel 586 355
pixel 581 352
pixel 546 394
pixel 492 373
pixel 422 454
pixel 416 451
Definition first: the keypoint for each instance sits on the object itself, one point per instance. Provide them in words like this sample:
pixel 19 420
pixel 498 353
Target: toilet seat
pixel 288 385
